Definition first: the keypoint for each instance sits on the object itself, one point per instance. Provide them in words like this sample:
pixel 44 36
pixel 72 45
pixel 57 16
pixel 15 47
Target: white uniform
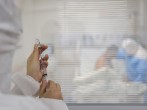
pixel 27 86
pixel 10 30
pixel 10 102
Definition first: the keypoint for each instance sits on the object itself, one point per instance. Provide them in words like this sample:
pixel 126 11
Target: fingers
pixel 35 52
pixel 58 86
pixel 59 91
pixel 46 57
pixel 43 48
pixel 44 63
pixel 44 60
pixel 43 87
pixel 51 84
pixel 48 86
pixel 53 90
pixel 38 50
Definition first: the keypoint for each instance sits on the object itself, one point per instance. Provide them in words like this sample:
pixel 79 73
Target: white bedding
pixel 106 86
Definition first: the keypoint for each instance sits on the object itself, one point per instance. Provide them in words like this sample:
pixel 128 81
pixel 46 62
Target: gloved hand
pixel 33 62
pixel 50 89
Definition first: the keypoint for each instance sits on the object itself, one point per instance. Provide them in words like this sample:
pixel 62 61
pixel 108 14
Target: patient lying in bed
pixel 105 59
pixel 105 85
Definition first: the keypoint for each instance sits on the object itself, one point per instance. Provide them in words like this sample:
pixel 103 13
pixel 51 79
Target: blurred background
pixel 86 39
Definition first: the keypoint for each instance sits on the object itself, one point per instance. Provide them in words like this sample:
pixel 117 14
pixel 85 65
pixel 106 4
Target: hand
pixel 50 90
pixel 33 62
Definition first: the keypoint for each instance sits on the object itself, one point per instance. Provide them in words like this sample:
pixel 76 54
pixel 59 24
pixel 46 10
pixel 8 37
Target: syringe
pixel 42 66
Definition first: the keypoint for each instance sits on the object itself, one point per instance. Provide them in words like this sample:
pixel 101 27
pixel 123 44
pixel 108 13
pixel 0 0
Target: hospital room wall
pixel 140 19
pixel 143 32
pixel 144 28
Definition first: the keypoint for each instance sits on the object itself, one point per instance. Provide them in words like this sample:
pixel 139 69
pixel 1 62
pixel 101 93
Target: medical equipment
pixel 42 66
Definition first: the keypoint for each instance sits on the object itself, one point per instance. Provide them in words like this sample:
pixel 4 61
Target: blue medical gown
pixel 136 67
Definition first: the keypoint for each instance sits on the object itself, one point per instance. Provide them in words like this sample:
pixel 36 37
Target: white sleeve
pixel 14 102
pixel 24 85
pixel 54 104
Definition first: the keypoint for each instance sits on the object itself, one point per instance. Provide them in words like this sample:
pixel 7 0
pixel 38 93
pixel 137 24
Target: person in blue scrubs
pixel 135 57
pixel 136 67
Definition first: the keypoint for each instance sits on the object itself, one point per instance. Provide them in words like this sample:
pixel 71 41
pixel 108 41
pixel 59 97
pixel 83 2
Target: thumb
pixel 36 52
pixel 43 87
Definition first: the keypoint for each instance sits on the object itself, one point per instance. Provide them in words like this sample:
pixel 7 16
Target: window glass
pixel 97 48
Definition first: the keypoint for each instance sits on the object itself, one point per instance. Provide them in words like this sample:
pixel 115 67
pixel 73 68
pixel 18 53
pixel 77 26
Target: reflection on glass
pixel 97 48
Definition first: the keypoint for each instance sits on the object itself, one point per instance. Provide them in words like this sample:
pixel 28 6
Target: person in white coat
pixel 48 93
pixel 10 30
